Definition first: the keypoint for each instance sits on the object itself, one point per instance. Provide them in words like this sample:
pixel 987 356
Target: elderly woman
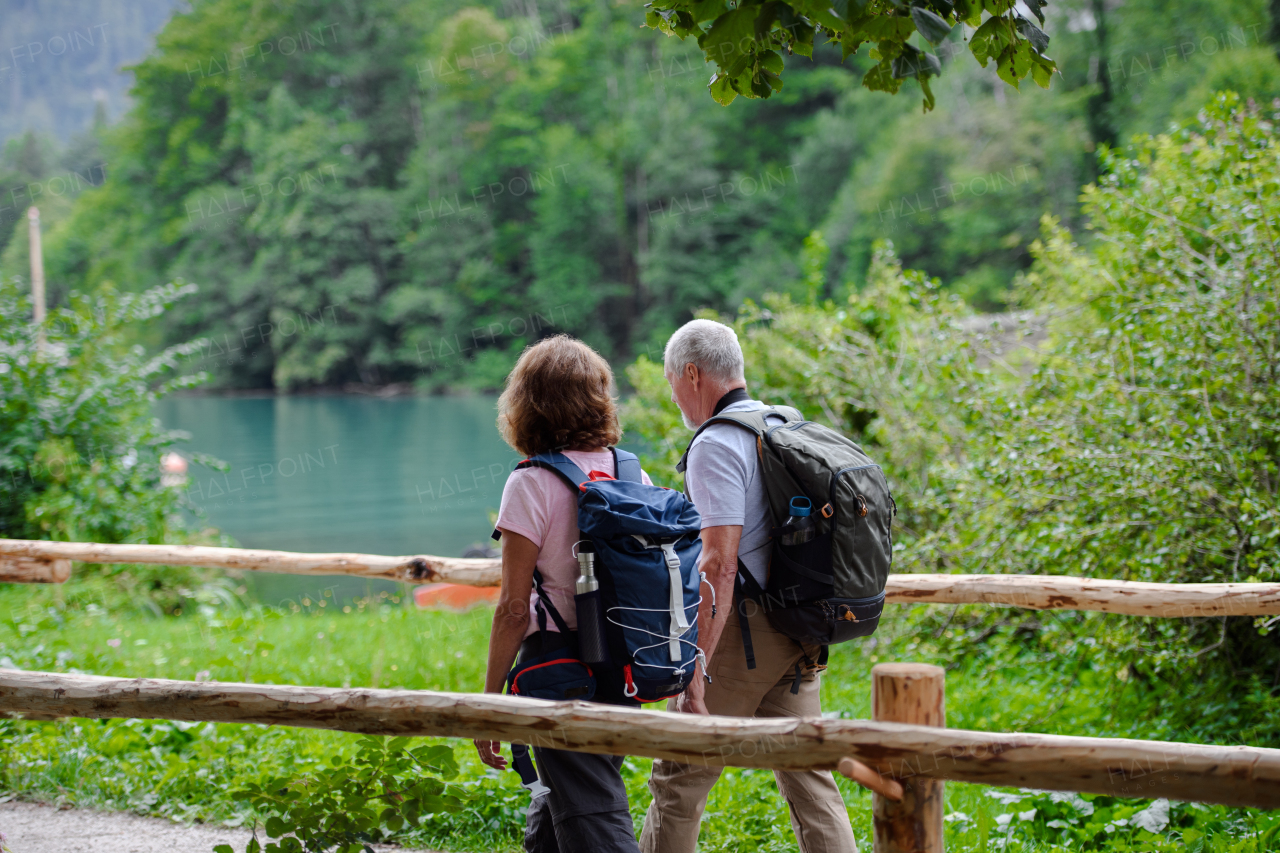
pixel 558 398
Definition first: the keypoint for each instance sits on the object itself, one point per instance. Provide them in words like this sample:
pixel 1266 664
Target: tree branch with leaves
pixel 746 39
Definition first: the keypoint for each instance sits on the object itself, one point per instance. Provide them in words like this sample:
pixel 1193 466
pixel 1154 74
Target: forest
pixel 408 193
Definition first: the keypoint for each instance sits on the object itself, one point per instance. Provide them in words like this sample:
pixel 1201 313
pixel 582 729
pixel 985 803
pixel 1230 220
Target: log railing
pixel 903 755
pixel 1231 775
pixel 34 561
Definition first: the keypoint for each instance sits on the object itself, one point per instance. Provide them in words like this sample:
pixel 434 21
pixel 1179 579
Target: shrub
pixel 79 448
pixel 1124 424
pixel 341 808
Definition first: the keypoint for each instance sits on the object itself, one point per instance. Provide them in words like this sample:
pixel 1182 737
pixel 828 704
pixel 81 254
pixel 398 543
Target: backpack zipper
pixel 835 484
pixel 515 682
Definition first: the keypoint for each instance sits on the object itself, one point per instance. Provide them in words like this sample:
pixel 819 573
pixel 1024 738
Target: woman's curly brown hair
pixel 559 397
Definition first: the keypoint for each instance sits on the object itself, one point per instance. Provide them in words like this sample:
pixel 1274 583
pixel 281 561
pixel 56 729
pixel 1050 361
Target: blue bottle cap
pixel 801 506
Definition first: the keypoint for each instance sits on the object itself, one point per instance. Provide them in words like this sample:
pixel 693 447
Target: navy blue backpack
pixel 647 548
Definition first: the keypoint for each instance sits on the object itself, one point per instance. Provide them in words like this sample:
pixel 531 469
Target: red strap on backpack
pixel 593 476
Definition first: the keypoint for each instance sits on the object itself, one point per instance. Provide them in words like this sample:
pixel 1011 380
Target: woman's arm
pixel 510 621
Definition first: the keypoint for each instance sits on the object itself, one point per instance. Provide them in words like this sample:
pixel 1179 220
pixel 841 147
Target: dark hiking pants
pixel 586 808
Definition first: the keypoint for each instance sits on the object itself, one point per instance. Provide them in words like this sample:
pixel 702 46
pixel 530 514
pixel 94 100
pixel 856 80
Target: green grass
pixel 185 771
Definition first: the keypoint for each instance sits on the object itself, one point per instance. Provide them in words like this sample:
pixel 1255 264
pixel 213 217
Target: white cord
pixel 626 627
pixel 663 641
pixel 678 615
pixel 697 603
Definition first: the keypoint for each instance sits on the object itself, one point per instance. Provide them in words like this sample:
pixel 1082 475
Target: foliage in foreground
pixel 351 803
pixel 1125 424
pixel 747 40
pixel 1069 821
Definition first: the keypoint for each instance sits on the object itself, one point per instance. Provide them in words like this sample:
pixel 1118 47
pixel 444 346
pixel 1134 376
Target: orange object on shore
pixel 453 596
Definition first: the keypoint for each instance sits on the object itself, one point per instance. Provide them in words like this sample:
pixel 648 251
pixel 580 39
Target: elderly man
pixel 705 370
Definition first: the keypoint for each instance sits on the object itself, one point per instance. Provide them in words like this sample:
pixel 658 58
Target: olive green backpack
pixel 831 588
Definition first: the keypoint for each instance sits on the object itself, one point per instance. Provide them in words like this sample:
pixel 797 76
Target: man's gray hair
pixel 711 346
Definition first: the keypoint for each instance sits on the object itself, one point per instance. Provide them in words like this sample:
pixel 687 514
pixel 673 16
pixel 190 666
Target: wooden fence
pixel 903 754
pixel 914 755
pixel 33 561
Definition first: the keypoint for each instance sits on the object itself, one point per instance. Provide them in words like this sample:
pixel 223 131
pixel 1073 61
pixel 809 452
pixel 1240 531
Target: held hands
pixel 491 753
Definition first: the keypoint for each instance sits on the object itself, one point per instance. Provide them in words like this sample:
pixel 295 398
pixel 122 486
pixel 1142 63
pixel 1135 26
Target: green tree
pixel 415 203
pixel 413 192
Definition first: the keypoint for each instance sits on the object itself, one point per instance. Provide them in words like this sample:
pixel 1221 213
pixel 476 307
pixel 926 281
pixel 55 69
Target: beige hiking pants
pixel 818 813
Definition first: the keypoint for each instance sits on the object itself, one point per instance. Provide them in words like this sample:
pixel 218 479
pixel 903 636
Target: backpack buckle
pixel 828 511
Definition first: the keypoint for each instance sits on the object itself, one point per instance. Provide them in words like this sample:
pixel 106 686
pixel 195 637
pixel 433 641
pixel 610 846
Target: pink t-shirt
pixel 541 507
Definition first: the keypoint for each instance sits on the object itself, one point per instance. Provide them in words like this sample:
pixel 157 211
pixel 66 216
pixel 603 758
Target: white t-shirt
pixel 722 477
pixel 540 506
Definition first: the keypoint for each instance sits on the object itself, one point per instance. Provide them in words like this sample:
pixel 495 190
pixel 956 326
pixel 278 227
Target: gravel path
pixel 34 828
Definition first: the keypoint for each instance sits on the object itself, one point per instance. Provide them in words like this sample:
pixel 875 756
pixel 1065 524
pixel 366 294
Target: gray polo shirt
pixel 723 479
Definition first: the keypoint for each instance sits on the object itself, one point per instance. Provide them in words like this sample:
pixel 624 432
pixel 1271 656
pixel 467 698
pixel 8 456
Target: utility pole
pixel 37 275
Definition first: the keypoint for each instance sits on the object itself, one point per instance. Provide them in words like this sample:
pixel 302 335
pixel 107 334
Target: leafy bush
pixel 1125 423
pixel 343 807
pixel 79 448
pixel 1144 442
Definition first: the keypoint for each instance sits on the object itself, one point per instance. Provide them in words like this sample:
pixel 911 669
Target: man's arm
pixel 719 563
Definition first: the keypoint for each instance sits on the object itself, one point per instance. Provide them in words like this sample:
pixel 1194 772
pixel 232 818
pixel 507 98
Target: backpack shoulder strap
pixel 626 466
pixel 544 607
pixel 745 588
pixel 560 464
pixel 753 421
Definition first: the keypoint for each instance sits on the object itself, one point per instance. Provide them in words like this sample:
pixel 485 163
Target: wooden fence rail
pixel 1232 775
pixel 31 561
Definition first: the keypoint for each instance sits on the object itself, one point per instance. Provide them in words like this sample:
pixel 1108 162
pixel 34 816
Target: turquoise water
pixel 345 473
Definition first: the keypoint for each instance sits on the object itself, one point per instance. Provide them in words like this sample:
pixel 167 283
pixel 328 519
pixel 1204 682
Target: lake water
pixel 345 473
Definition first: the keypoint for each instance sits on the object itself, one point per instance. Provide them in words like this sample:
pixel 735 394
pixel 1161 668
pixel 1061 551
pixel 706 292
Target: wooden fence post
pixel 909 693
pixel 37 275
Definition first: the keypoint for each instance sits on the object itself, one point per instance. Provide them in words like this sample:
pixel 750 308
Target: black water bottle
pixel 591 640
pixel 799 527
